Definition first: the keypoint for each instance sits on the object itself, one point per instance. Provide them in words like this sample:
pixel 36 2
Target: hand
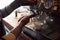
pixel 24 20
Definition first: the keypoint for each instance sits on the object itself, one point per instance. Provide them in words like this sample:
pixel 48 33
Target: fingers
pixel 20 18
pixel 24 20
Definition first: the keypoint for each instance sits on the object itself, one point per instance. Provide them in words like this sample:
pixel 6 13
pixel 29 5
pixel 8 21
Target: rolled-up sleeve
pixel 8 9
pixel 3 12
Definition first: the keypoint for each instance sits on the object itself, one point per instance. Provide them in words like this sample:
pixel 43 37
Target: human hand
pixel 24 20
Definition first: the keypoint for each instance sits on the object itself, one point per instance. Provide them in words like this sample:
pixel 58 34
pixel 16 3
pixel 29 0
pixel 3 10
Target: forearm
pixel 24 20
pixel 14 33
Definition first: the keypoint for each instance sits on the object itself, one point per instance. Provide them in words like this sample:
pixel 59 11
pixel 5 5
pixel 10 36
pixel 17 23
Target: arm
pixel 4 12
pixel 16 31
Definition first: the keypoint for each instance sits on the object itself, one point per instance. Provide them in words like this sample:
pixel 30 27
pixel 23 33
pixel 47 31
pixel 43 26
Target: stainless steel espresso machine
pixel 46 22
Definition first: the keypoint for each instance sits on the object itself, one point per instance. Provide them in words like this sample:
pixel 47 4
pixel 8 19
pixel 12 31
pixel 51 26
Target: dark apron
pixel 2 29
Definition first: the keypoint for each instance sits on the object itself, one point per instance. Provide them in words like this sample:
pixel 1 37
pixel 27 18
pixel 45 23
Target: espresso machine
pixel 44 24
